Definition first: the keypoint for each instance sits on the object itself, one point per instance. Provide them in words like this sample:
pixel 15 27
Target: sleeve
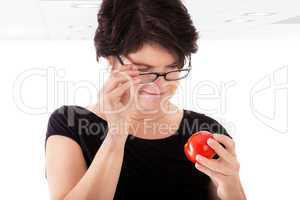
pixel 58 125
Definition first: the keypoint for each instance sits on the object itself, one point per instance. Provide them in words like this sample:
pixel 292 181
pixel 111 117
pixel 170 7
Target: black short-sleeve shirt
pixel 151 168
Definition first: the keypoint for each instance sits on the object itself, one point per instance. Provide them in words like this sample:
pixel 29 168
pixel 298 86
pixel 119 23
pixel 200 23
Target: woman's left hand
pixel 224 171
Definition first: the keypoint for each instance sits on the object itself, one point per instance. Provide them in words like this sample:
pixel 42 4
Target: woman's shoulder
pixel 74 112
pixel 74 121
pixel 197 121
pixel 60 123
pixel 63 116
pixel 64 111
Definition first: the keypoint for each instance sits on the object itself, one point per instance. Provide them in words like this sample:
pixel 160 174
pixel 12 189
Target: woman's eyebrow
pixel 173 64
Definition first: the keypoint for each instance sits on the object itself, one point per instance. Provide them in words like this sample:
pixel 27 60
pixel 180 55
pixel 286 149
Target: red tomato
pixel 197 144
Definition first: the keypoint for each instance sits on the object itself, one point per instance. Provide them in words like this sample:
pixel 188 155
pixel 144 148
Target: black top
pixel 152 168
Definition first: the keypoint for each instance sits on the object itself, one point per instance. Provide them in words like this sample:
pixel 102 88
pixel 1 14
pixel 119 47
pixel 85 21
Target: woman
pixel 117 148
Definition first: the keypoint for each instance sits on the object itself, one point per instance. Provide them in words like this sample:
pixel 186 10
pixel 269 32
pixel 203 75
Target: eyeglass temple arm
pixel 190 62
pixel 120 60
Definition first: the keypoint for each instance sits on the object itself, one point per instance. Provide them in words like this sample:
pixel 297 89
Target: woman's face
pixel 152 58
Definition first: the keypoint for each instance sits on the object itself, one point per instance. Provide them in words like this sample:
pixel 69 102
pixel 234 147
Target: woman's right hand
pixel 110 97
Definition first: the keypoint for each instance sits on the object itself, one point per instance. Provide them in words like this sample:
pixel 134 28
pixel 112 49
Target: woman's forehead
pixel 152 56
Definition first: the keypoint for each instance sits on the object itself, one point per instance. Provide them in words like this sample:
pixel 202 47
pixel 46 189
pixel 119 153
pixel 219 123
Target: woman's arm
pixel 68 177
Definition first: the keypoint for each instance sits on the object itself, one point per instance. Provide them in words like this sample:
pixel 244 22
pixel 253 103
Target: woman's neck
pixel 144 116
pixel 149 124
pixel 140 117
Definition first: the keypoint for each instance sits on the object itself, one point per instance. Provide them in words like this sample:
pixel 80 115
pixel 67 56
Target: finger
pixel 119 91
pixel 206 170
pixel 125 69
pixel 221 151
pixel 130 66
pixel 119 77
pixel 227 141
pixel 214 176
pixel 212 164
pixel 127 66
pixel 128 74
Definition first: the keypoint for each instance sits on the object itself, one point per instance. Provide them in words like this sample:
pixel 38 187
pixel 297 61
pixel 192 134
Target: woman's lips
pixel 150 93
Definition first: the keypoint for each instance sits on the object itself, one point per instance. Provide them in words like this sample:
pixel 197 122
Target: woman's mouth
pixel 150 93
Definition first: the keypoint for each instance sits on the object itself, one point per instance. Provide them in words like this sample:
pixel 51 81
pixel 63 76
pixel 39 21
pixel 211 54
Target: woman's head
pixel 152 32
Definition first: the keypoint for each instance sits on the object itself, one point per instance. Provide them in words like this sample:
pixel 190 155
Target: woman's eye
pixel 173 67
pixel 144 69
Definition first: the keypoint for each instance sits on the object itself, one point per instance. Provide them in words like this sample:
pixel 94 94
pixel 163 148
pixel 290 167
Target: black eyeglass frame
pixel 188 69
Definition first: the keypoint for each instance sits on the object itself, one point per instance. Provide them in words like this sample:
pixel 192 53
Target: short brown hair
pixel 124 25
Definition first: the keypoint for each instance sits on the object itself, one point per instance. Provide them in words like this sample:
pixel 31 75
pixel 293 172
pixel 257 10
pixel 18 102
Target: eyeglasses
pixel 173 75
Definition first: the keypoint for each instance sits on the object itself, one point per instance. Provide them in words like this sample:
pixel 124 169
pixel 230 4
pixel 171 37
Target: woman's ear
pixel 111 62
pixel 110 59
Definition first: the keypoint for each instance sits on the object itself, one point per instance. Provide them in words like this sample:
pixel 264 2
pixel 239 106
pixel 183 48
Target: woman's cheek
pixel 172 88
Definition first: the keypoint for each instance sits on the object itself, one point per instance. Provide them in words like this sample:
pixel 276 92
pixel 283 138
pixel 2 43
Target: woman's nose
pixel 159 81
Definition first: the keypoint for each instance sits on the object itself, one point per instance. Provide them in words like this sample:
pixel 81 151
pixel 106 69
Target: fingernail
pixel 133 67
pixel 198 157
pixel 210 141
